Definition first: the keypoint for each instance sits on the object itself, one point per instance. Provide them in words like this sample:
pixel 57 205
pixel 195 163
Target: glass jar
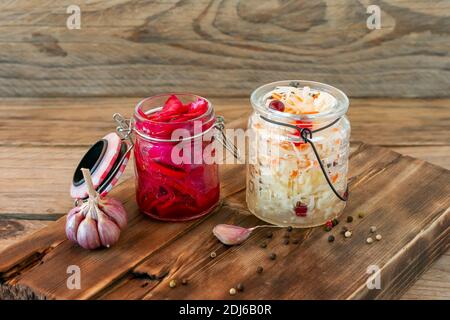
pixel 286 185
pixel 166 188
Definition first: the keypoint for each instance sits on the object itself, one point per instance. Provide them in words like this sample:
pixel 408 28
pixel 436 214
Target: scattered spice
pixel 259 269
pixel 330 238
pixel 240 287
pixel 294 84
pixel 361 215
pixel 327 228
pixel 378 237
pixel 232 291
pixel 273 256
pixel 263 245
pixel 335 222
pixel 373 229
pixel 213 255
pixel 173 283
pixel 269 234
pixel 295 241
pixel 348 234
pixel 286 241
pixel 289 229
pixel 184 282
pixel 369 240
pixel 349 219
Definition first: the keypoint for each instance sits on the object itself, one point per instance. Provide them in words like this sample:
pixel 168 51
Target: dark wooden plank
pixel 433 284
pixel 132 47
pixel 415 224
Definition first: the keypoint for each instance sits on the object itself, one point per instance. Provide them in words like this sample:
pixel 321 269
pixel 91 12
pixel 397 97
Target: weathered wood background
pixel 223 47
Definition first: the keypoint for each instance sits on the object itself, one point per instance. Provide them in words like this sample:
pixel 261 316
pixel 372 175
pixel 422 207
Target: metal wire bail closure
pixel 125 129
pixel 306 136
pixel 222 138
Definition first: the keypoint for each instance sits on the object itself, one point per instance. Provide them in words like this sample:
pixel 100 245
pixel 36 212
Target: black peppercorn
pixel 349 219
pixel 184 282
pixel 263 245
pixel 289 229
pixel 269 234
pixel 331 238
pixel 273 256
pixel 259 269
pixel 240 287
pixel 286 241
pixel 335 222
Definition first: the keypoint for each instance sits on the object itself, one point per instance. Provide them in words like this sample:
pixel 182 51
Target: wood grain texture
pixel 228 47
pixel 37 159
pixel 415 229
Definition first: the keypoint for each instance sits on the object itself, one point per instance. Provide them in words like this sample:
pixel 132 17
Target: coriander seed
pixel 213 254
pixel 373 229
pixel 378 237
pixel 369 240
pixel 348 234
pixel 232 291
pixel 173 283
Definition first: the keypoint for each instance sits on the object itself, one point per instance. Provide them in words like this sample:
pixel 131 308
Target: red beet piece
pixel 301 209
pixel 200 106
pixel 276 105
pixel 174 105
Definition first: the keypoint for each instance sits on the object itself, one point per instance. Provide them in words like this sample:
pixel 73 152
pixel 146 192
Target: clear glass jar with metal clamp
pixel 297 174
pixel 176 169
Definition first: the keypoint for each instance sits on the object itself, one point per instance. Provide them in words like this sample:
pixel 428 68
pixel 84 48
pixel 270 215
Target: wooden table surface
pixel 41 141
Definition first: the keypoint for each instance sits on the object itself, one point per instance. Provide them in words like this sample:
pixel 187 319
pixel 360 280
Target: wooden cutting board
pixel 407 200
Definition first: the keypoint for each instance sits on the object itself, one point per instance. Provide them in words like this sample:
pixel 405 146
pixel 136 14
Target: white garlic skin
pixel 97 223
pixel 87 234
pixel 230 234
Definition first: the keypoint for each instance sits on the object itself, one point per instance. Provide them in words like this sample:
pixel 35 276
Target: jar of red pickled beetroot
pixel 173 137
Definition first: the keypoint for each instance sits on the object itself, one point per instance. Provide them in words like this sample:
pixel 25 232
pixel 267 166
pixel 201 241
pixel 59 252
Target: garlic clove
pixel 87 234
pixel 74 211
pixel 108 231
pixel 114 209
pixel 231 235
pixel 73 221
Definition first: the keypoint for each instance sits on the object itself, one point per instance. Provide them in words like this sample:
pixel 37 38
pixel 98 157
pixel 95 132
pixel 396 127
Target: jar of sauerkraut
pixel 297 170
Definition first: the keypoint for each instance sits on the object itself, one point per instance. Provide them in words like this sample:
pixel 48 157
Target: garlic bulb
pixel 97 222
